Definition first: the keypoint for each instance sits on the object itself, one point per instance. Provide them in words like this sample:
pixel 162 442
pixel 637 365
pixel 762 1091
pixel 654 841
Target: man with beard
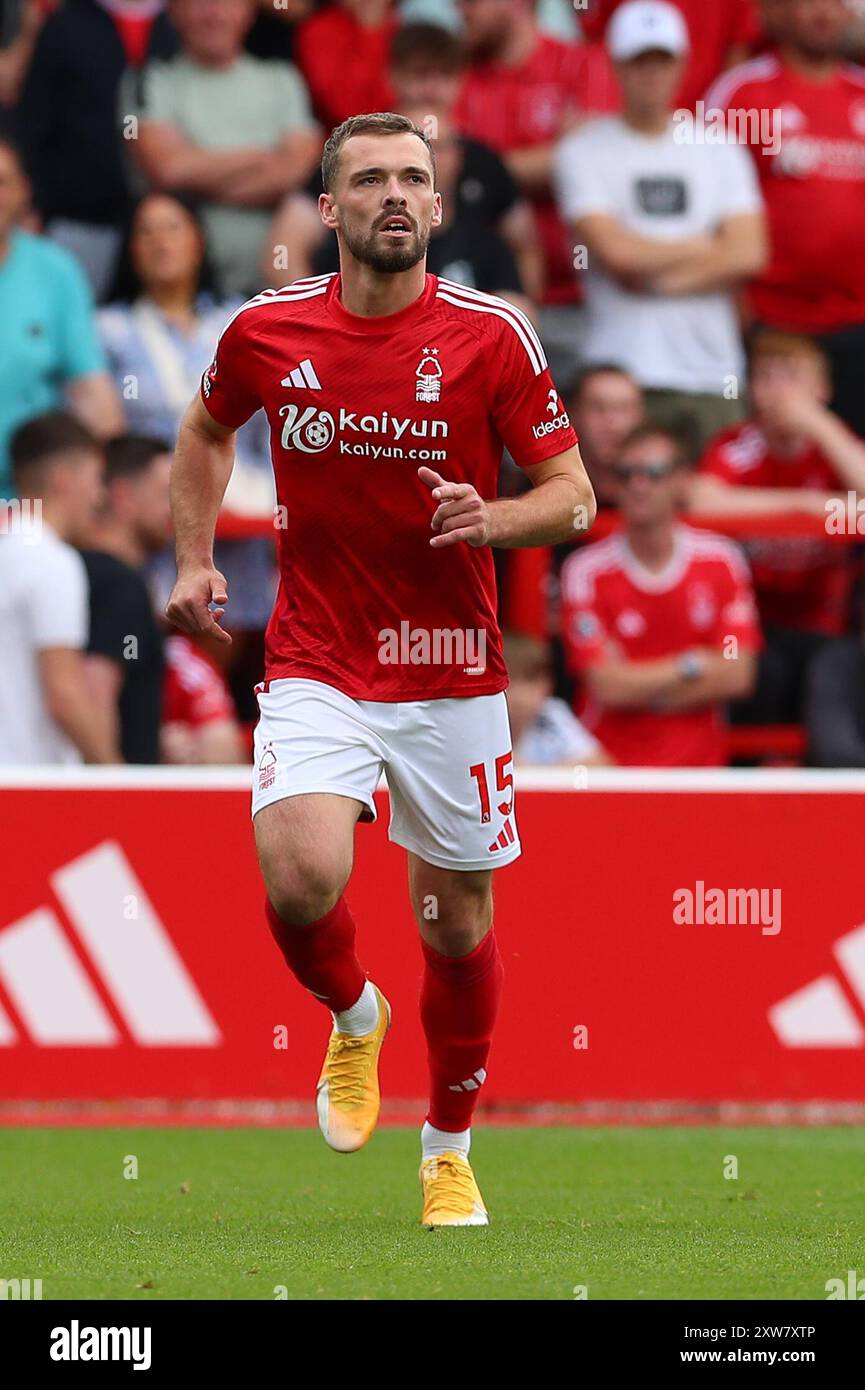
pixel 391 394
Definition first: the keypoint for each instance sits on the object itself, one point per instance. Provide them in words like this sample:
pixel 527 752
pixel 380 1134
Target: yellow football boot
pixel 450 1194
pixel 347 1096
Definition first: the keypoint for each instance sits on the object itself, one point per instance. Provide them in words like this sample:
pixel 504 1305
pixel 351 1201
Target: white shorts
pixel 448 765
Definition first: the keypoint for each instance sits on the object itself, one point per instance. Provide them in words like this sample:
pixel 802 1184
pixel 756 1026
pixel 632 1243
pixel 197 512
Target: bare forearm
pixel 204 173
pixel 550 513
pixel 736 252
pixel 263 184
pixel 704 273
pixel 519 230
pixel 627 254
pixel 14 62
pixel 86 724
pixel 843 449
pixel 725 678
pixel 199 477
pixel 711 497
pixel 634 684
pixel 95 401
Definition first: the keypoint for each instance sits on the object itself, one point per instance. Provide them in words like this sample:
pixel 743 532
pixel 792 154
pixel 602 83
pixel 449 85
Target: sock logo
pixel 473 1083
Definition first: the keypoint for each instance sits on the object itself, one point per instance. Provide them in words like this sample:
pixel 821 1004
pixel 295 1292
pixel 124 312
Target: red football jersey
pixel 193 692
pixel 513 107
pixel 355 406
pixel 802 582
pixel 811 165
pixel 611 602
pixel 344 63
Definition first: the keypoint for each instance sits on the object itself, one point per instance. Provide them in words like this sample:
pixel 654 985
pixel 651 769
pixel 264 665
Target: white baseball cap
pixel 642 25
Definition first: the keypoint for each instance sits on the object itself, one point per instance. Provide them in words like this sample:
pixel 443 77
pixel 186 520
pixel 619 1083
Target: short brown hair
pixel 772 342
pixel 44 440
pixel 373 123
pixel 428 43
pixel 649 430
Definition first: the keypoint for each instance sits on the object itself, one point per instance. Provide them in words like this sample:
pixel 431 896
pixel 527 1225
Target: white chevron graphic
pixel 303 376
pixel 476 1080
pixel 135 960
pixel 819 1014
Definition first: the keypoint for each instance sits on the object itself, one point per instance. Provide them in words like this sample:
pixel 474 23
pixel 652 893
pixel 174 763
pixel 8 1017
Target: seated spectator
pixel 342 52
pixel 72 122
pixel 835 704
pixel 605 405
pixel 792 455
pixel 522 91
pixel 722 33
pixel 426 64
pixel 228 129
pixel 810 159
pixel 48 345
pixel 158 340
pixel 671 228
pixel 659 620
pixel 199 719
pixel 124 653
pixel 545 731
pixel 47 714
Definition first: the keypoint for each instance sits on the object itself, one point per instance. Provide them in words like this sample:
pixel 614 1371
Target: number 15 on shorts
pixel 504 782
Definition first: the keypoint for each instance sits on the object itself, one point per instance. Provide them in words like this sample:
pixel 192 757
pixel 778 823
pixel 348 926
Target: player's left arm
pixel 560 502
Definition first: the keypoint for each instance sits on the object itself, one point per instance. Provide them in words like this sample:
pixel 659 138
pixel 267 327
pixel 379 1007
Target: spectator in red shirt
pixel 342 52
pixel 723 33
pixel 792 455
pixel 522 91
pixel 199 721
pixel 659 619
pixel 810 157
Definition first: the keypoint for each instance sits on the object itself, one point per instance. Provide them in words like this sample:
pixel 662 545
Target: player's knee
pixel 303 893
pixel 462 918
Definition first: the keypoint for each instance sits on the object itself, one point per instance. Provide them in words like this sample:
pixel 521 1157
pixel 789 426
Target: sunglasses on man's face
pixel 655 472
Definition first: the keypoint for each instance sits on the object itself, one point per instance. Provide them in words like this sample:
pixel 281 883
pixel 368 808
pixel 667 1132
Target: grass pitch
pixel 250 1213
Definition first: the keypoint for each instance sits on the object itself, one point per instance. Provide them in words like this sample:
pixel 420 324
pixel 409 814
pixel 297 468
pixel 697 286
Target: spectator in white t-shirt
pixel 545 731
pixel 672 223
pixel 47 714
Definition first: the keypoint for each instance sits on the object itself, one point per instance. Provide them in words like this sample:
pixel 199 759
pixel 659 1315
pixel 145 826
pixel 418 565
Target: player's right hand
pixel 189 605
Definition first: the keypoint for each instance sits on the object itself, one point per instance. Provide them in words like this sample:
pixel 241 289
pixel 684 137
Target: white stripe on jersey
pixel 480 303
pixel 498 303
pixel 721 91
pixel 299 289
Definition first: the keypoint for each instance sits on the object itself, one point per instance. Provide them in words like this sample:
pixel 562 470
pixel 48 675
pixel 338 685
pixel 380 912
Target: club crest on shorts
pixel 267 768
pixel 429 375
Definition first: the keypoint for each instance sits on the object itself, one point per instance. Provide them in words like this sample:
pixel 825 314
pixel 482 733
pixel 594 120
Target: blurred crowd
pixel 673 190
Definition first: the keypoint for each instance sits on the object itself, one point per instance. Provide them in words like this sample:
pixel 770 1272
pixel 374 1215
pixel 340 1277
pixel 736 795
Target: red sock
pixel 458 1006
pixel 321 955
